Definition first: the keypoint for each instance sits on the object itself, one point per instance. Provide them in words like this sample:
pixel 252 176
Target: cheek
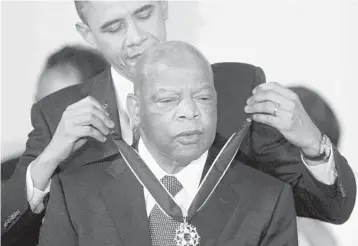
pixel 208 115
pixel 157 125
pixel 110 45
pixel 155 27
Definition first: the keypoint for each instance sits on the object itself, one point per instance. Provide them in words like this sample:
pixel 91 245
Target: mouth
pixel 189 137
pixel 134 58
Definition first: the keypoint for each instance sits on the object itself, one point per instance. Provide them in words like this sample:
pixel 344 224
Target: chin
pixel 188 156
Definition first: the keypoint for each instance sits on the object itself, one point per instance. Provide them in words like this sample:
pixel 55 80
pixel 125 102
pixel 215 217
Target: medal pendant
pixel 186 235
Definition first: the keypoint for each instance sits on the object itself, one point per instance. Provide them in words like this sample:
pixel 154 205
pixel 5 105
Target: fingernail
pixel 254 90
pixel 110 123
pixel 104 139
pixel 246 108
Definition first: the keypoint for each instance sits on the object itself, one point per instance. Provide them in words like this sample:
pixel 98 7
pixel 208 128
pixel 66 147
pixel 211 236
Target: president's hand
pixel 83 119
pixel 281 108
pixel 80 121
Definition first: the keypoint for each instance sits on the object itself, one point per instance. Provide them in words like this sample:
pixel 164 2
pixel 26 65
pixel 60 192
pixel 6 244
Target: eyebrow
pixel 141 9
pixel 145 7
pixel 163 90
pixel 205 87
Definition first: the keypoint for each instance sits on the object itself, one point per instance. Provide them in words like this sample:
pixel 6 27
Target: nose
pixel 135 36
pixel 188 110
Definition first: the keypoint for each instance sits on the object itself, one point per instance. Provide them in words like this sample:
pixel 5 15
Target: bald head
pixel 174 56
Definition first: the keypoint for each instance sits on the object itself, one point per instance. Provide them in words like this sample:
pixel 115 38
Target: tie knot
pixel 172 184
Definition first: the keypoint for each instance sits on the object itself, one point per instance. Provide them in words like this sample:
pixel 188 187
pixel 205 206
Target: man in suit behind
pixel 74 125
pixel 174 106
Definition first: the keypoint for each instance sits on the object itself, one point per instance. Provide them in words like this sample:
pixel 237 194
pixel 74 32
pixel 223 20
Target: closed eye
pixel 205 98
pixel 115 28
pixel 166 100
pixel 145 12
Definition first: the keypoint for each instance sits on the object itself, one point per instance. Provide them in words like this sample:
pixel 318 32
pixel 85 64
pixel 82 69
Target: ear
pixel 133 109
pixel 164 6
pixel 86 33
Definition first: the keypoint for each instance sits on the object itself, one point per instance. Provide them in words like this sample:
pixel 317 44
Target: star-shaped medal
pixel 186 235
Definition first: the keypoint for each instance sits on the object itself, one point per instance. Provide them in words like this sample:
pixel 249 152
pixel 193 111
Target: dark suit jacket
pixel 264 148
pixel 103 204
pixel 8 168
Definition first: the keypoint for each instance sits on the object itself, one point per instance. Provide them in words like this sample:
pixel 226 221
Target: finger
pixel 284 120
pixel 274 97
pixel 89 111
pixel 277 88
pixel 267 107
pixel 266 119
pixel 93 120
pixel 87 131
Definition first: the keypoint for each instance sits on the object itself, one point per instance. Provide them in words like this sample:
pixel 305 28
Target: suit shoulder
pixel 239 77
pixel 260 191
pixel 258 180
pixel 233 66
pixel 86 174
pixel 63 97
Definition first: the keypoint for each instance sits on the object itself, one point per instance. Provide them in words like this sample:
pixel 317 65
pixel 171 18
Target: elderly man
pixel 74 125
pixel 115 202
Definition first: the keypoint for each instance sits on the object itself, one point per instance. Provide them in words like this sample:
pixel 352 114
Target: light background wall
pixel 307 42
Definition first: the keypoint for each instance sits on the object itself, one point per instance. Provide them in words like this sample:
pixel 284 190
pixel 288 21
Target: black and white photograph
pixel 179 123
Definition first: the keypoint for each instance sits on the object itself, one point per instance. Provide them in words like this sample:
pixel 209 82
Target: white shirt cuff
pixel 326 172
pixel 35 196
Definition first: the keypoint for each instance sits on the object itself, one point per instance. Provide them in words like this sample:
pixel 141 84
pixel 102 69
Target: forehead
pixel 177 79
pixel 101 11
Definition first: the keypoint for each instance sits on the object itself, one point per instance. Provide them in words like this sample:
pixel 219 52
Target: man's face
pixel 123 30
pixel 178 113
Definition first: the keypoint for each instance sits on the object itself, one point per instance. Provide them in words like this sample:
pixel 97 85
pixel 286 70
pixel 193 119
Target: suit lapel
pixel 102 90
pixel 220 206
pixel 124 198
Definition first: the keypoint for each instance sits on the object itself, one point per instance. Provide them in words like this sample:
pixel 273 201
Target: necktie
pixel 163 228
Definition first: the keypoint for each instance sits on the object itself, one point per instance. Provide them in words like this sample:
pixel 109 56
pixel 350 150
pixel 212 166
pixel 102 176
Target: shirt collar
pixel 189 176
pixel 122 86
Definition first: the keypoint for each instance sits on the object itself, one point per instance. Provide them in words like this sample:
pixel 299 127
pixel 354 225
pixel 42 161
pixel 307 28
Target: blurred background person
pixel 313 232
pixel 70 65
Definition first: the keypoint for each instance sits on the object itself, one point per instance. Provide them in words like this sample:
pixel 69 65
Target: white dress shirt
pixel 123 87
pixel 324 172
pixel 189 177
